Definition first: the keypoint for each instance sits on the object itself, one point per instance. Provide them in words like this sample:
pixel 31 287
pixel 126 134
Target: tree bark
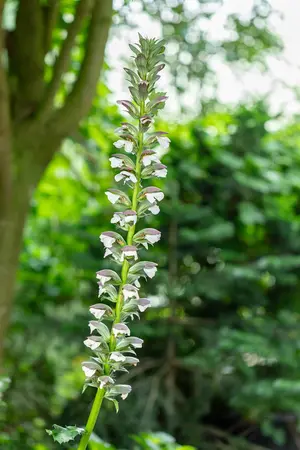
pixel 31 129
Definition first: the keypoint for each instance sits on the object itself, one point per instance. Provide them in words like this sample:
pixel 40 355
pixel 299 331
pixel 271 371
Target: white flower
pixel 143 304
pixel 120 328
pixel 93 324
pixel 100 289
pixel 108 239
pixel 163 141
pixel 128 145
pixel 92 342
pixel 154 209
pixel 124 390
pixel 89 368
pixel 129 251
pixel 104 380
pixel 149 156
pixel 150 269
pixel 102 277
pixel 99 310
pixel 116 218
pixel 155 196
pixel 130 216
pixel 135 342
pixel 107 252
pixel 152 194
pixel 115 162
pixel 88 372
pixel 117 356
pixel 113 198
pixel 131 360
pixel 126 177
pixel 152 236
pixel 160 172
pixel 137 283
pixel 130 291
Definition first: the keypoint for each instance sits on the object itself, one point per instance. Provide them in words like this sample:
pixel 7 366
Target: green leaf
pixel 63 435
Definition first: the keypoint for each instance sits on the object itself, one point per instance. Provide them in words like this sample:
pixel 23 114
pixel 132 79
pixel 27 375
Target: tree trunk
pixel 10 245
pixel 31 128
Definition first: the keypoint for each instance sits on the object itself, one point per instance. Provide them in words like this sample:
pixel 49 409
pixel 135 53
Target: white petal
pixel 100 290
pixel 113 198
pixel 137 283
pixel 154 196
pixel 163 141
pixel 124 396
pixel 128 147
pixel 154 209
pixel 107 252
pixel 119 176
pixel 92 327
pixel 145 244
pixel 133 178
pixel 147 159
pixel 107 241
pixel 150 272
pixel 118 357
pixel 158 196
pixel 88 372
pixel 120 143
pixel 128 293
pixel 102 278
pixel 98 313
pixel 132 219
pixel 160 173
pixel 130 253
pixel 152 238
pixel 115 162
pixel 91 344
pixel 115 219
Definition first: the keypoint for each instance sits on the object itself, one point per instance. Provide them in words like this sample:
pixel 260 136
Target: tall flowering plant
pixel 114 349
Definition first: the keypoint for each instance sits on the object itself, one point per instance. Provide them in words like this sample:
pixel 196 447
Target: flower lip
pixel 152 194
pixel 108 238
pixel 104 380
pixel 126 175
pixel 130 291
pixel 93 342
pixel 105 275
pixel 164 141
pixel 154 209
pixel 120 328
pixel 100 309
pixel 117 357
pixel 143 304
pixel 150 269
pixel 89 368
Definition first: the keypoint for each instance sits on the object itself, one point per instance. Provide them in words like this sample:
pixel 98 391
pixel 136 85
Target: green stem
pixel 92 419
pixel 124 273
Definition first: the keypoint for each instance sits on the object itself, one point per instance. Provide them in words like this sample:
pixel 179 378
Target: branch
pixel 80 99
pixel 63 60
pixel 5 153
pixel 50 11
pixel 27 56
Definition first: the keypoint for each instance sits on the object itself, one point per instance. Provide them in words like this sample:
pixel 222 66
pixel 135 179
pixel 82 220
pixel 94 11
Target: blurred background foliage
pixel 220 365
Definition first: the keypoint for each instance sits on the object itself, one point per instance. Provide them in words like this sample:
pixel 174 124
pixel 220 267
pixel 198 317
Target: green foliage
pixel 65 434
pixel 221 342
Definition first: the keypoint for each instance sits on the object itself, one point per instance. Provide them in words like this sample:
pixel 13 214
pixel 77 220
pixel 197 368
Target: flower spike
pixel 112 343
